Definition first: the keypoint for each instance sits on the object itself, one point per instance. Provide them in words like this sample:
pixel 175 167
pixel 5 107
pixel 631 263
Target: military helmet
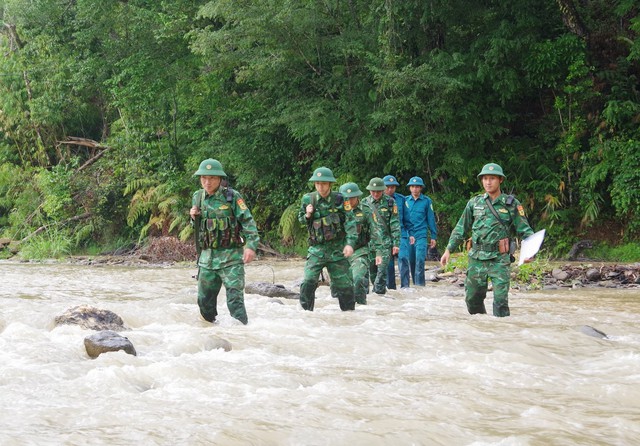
pixel 416 181
pixel 350 190
pixel 390 180
pixel 376 184
pixel 323 174
pixel 210 167
pixel 492 169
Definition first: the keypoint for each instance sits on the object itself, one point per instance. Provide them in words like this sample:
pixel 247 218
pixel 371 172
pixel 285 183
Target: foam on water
pixel 411 368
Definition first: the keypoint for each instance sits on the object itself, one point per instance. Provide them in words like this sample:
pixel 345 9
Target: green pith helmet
pixel 210 167
pixel 376 184
pixel 323 174
pixel 492 169
pixel 350 190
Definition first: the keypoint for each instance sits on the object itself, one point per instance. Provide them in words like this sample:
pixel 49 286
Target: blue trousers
pixel 417 258
pixel 403 266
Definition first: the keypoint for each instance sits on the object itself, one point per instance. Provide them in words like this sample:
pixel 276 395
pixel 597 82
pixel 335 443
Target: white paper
pixel 530 246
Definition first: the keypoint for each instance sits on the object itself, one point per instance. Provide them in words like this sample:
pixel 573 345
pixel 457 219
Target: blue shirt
pixel 403 216
pixel 421 216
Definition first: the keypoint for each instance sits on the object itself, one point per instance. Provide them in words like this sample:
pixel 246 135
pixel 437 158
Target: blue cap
pixel 416 181
pixel 390 180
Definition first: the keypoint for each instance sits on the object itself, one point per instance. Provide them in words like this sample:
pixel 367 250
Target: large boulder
pixel 270 290
pixel 107 341
pixel 91 318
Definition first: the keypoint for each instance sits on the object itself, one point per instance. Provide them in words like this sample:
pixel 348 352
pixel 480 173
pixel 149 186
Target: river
pixel 412 368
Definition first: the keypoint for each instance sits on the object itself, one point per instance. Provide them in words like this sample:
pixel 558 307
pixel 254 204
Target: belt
pixel 486 246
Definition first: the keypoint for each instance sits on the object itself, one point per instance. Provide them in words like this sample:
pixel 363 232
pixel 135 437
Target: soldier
pixel 332 236
pixel 492 218
pixel 369 238
pixel 387 214
pixel 391 184
pixel 419 209
pixel 223 225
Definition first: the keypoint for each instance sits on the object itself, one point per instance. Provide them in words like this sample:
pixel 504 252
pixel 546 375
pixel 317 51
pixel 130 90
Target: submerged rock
pixel 91 318
pixel 107 341
pixel 270 290
pixel 590 331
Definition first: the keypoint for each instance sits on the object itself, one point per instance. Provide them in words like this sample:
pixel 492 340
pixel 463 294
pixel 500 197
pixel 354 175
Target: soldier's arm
pixel 302 212
pixel 520 222
pixel 394 226
pixel 462 227
pixel 248 226
pixel 431 221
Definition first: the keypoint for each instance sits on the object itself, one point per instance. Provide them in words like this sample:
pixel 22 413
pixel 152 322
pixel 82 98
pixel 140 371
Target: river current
pixel 409 368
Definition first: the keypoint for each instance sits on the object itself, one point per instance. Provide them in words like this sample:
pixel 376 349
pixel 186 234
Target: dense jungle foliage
pixel 108 106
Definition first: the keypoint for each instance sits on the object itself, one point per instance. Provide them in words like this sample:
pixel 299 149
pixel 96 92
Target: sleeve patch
pixel 241 204
pixel 395 209
pixel 521 210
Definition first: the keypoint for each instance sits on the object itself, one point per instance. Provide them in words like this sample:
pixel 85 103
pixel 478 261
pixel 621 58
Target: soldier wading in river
pixel 332 236
pixel 492 218
pixel 223 226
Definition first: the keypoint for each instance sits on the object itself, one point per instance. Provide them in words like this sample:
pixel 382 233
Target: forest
pixel 107 107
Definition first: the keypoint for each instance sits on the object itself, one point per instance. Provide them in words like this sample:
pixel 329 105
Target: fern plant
pixel 165 208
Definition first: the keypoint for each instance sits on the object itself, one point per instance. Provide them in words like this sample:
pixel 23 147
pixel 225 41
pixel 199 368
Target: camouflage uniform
pixel 225 225
pixel 331 228
pixel 369 240
pixel 485 260
pixel 387 215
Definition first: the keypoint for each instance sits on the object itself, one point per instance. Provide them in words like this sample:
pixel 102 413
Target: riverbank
pixel 167 251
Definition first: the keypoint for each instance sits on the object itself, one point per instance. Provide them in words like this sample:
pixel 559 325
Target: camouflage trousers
pixel 341 282
pixel 478 273
pixel 209 283
pixel 359 265
pixel 378 273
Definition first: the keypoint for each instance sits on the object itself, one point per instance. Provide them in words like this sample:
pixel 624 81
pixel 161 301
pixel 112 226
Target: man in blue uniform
pixel 391 184
pixel 419 209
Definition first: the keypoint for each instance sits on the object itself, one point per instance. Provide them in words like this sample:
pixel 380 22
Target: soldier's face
pixel 390 190
pixel 323 188
pixel 210 183
pixel 415 191
pixel 353 201
pixel 376 194
pixel 491 184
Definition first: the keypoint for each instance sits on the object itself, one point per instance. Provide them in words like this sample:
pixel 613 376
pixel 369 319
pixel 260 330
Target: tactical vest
pixel 364 232
pixel 328 227
pixel 219 228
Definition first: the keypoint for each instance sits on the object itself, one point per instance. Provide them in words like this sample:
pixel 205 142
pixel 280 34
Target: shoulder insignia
pixel 241 204
pixel 395 209
pixel 347 205
pixel 520 210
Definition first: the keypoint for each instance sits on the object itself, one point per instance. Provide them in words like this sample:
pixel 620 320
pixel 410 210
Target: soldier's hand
pixel 432 243
pixel 378 260
pixel 309 210
pixel 445 257
pixel 248 255
pixel 347 251
pixel 395 250
pixel 412 240
pixel 194 211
